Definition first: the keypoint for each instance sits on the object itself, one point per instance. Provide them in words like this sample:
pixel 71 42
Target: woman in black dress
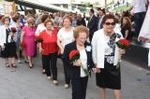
pixel 126 28
pixel 7 43
pixel 105 53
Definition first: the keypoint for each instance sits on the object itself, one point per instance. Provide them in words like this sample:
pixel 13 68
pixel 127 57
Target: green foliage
pixel 87 4
pixel 122 8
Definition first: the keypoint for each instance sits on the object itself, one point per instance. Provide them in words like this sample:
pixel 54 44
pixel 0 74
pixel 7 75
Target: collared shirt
pixel 100 22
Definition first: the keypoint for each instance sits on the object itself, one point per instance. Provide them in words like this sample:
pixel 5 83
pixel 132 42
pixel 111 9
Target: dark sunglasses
pixel 108 23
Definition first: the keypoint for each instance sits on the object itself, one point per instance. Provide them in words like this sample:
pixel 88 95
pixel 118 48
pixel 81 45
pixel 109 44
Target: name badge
pixel 88 48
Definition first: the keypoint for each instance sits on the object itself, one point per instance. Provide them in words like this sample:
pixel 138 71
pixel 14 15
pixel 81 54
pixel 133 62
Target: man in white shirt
pixel 139 10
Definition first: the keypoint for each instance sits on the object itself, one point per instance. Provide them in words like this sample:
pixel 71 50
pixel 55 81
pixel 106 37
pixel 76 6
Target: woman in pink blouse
pixel 28 39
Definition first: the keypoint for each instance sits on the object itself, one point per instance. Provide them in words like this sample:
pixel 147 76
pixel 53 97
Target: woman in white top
pixel 7 43
pixel 105 56
pixel 64 37
pixel 41 26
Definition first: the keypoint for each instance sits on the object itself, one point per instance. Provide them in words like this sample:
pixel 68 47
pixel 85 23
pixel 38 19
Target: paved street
pixel 26 83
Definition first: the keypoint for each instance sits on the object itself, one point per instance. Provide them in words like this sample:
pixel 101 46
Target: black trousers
pixel 79 87
pixel 43 67
pixel 66 72
pixel 138 19
pixel 49 63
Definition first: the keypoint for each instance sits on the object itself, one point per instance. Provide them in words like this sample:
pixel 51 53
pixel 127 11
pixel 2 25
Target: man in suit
pixel 80 20
pixel 101 14
pixel 92 24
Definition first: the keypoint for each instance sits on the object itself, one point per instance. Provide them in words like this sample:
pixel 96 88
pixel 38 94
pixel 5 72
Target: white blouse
pixel 65 37
pixel 40 28
pixel 108 50
pixel 83 58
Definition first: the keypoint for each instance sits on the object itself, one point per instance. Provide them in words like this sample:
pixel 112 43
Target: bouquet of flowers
pixel 122 44
pixel 39 39
pixel 23 44
pixel 13 30
pixel 74 56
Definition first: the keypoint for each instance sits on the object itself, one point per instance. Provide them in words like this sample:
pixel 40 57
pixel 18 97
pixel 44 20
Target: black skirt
pixel 9 51
pixel 109 77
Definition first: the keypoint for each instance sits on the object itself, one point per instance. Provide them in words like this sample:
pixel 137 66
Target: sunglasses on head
pixel 108 23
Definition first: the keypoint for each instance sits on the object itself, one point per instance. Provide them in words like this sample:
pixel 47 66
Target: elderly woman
pixel 105 53
pixel 7 43
pixel 28 39
pixel 79 69
pixel 18 27
pixel 49 50
pixel 65 36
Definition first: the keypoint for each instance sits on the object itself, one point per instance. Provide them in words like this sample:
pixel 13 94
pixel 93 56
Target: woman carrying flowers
pixel 107 49
pixel 47 40
pixel 7 42
pixel 78 58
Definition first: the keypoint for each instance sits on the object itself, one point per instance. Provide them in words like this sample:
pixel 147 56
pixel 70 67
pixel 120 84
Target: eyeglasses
pixel 108 23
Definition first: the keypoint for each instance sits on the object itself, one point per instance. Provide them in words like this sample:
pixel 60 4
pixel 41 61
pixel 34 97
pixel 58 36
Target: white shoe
pixel 49 77
pixel 55 82
pixel 66 86
pixel 19 61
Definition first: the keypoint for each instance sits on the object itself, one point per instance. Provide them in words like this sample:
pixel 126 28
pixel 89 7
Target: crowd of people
pixel 61 33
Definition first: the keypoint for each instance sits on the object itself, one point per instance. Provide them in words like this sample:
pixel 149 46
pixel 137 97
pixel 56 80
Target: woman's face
pixel 7 21
pixel 18 21
pixel 31 23
pixel 66 23
pixel 124 21
pixel 81 38
pixel 49 26
pixel 109 25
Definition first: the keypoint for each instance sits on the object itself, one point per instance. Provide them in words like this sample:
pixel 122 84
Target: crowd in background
pixel 57 31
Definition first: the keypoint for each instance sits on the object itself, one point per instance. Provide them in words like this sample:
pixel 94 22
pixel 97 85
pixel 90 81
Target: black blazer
pixel 74 71
pixel 92 24
pixel 81 22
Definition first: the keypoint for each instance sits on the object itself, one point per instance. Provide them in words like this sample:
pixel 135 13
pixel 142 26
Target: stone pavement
pixel 26 83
